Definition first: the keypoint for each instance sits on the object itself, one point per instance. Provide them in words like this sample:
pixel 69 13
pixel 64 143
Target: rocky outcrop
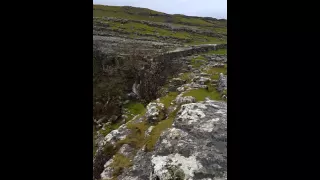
pixel 194 148
pixel 222 83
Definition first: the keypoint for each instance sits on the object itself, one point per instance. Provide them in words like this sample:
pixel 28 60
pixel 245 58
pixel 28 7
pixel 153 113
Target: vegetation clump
pixel 158 129
pixel 201 94
pixel 166 100
pixel 120 162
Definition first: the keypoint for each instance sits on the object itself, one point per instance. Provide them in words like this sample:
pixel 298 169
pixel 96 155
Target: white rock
pixel 153 111
pixel 185 99
pixel 180 89
pixel 187 165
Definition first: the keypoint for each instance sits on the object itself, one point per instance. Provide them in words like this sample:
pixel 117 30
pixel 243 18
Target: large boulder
pixel 196 146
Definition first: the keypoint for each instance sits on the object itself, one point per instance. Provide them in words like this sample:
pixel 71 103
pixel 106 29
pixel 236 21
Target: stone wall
pixel 187 51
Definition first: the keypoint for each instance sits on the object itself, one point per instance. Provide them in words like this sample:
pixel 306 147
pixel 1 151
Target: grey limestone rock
pixel 194 148
pixel 153 111
pixel 222 83
pixel 185 99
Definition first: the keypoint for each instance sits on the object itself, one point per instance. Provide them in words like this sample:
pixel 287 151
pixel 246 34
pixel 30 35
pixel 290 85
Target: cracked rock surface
pixel 194 148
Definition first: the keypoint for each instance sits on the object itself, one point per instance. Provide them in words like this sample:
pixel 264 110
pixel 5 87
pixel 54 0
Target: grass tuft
pixel 198 61
pixel 215 71
pixel 136 138
pixel 166 100
pixel 158 129
pixel 120 162
pixel 134 108
pixel 201 94
pixel 186 77
pixel 219 51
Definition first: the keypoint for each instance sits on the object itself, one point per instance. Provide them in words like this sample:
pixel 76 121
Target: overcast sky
pixel 210 8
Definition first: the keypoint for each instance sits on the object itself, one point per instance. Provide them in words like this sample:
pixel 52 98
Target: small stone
pixel 180 89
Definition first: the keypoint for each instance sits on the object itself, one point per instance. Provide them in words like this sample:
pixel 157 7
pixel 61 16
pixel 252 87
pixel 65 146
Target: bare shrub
pixel 116 73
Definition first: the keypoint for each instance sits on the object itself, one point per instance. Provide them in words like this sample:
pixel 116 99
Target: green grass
pixel 186 77
pixel 134 108
pixel 135 28
pixel 166 100
pixel 179 19
pixel 137 140
pixel 221 30
pixel 127 13
pixel 215 71
pixel 201 94
pixel 134 13
pixel 109 128
pixel 158 129
pixel 120 162
pixel 201 39
pixel 198 61
pixel 219 51
pixel 127 9
pixel 224 92
pixel 136 137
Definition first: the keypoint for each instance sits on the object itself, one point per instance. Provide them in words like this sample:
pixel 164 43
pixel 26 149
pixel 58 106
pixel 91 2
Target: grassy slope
pixel 154 16
pixel 149 15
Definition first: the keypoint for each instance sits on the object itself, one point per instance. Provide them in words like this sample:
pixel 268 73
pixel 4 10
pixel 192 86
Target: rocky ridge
pixel 193 148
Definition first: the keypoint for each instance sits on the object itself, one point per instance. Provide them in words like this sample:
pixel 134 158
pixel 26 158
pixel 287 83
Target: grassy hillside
pixel 135 13
pixel 135 29
pixel 179 28
pixel 126 13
